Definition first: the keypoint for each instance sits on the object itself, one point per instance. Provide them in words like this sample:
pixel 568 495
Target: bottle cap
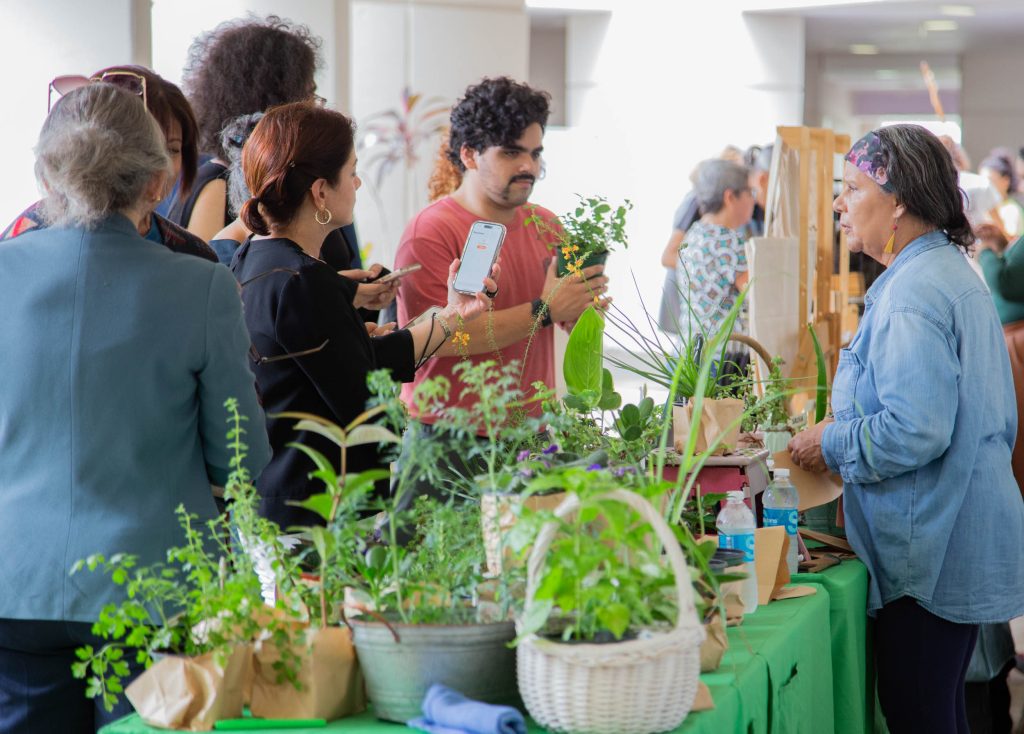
pixel 736 495
pixel 782 473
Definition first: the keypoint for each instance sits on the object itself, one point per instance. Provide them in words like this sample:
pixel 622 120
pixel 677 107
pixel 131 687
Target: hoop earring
pixel 327 218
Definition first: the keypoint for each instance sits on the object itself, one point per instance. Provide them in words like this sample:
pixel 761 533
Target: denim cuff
pixel 832 446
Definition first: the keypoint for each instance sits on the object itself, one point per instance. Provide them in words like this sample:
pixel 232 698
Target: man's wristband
pixel 537 308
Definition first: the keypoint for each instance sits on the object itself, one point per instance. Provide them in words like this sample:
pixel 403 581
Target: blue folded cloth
pixel 449 712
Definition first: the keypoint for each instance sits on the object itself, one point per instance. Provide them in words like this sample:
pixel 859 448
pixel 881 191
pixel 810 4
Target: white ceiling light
pixel 863 49
pixel 939 26
pixel 957 11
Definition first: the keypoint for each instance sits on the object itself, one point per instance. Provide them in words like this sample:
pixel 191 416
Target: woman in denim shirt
pixel 923 429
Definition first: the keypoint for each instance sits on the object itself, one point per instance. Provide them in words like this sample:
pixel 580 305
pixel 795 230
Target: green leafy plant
pixel 603 575
pixel 585 234
pixel 206 596
pixel 769 410
pixel 821 394
pixel 342 537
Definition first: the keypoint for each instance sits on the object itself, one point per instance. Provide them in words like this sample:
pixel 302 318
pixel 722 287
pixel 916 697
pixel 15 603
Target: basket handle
pixel 684 589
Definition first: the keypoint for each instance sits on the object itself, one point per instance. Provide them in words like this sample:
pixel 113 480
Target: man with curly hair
pixel 496 140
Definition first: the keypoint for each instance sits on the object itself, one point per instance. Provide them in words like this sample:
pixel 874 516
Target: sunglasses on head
pixel 129 80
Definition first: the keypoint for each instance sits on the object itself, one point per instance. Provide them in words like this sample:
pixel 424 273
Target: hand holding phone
pixel 398 274
pixel 478 256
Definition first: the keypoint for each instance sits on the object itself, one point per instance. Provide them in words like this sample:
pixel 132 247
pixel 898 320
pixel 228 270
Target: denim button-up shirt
pixel 925 420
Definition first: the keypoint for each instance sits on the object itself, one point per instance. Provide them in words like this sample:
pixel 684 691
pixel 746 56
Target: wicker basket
pixel 634 687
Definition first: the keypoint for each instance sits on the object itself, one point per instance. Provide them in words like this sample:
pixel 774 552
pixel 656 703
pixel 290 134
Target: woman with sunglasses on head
pixel 173 113
pixel 311 349
pixel 118 357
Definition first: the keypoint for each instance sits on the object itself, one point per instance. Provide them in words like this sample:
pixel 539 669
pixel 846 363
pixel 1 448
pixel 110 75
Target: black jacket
pixel 294 303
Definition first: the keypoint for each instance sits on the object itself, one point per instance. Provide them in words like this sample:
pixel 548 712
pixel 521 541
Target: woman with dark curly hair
pixel 242 66
pixel 173 113
pixel 924 424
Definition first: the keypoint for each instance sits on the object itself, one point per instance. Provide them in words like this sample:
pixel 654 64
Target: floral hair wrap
pixel 867 155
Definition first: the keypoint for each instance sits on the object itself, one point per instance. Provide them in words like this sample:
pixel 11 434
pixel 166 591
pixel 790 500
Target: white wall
pixel 42 41
pixel 992 103
pixel 653 94
pixel 435 49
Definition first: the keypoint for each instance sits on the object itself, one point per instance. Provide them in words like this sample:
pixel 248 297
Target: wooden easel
pixel 820 303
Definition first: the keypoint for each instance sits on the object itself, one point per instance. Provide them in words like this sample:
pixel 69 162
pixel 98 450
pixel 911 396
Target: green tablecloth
pixel 795 666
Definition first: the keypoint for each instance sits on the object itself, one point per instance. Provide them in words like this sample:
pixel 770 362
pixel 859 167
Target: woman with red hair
pixel 311 349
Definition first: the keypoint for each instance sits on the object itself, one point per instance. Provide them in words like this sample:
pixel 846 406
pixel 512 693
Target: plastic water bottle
pixel 780 502
pixel 736 526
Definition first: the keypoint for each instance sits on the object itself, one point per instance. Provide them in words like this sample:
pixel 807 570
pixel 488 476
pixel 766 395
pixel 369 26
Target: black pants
pixel 38 694
pixel 922 661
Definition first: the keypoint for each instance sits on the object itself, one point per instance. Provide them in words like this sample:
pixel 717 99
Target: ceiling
pixel 897 26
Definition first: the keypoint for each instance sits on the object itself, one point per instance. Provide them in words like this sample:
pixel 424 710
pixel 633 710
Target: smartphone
pixel 396 274
pixel 425 316
pixel 478 256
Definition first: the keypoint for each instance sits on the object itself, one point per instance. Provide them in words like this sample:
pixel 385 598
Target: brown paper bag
pixel 702 701
pixel 190 694
pixel 770 546
pixel 497 516
pixel 330 678
pixel 712 650
pixel 719 425
pixel 814 489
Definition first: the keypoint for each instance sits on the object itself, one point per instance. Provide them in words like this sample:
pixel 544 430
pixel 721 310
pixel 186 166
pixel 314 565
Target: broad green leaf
pixel 821 397
pixel 319 503
pixel 369 433
pixel 583 354
pixel 629 415
pixel 615 618
pixel 316 424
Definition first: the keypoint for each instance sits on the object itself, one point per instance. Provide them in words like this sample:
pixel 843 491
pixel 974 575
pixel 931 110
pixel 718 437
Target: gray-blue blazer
pixel 116 357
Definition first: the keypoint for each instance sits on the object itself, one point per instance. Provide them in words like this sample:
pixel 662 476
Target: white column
pixel 41 41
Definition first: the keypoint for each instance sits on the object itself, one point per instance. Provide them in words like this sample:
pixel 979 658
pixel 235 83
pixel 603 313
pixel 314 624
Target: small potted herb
pixel 586 235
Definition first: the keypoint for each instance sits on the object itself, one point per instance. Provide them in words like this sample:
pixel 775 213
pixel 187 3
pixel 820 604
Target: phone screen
pixel 478 256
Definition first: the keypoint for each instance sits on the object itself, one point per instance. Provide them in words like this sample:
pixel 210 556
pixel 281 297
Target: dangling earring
pixel 326 213
pixel 892 241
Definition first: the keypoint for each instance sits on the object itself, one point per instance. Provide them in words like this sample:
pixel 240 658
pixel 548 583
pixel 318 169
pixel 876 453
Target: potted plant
pixel 331 683
pixel 587 234
pixel 601 646
pixel 194 614
pixel 431 625
pixel 768 412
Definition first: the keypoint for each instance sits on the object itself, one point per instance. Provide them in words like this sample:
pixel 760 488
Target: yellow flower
pixel 460 339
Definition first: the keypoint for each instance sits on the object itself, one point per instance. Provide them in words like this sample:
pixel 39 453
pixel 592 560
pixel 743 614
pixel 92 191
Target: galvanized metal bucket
pixel 473 659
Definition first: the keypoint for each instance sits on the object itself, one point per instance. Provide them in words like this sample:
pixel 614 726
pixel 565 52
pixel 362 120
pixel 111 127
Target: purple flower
pixel 526 473
pixel 523 455
pixel 623 470
pixel 594 467
pixel 552 449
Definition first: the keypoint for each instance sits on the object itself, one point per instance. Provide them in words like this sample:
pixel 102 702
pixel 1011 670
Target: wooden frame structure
pixel 805 213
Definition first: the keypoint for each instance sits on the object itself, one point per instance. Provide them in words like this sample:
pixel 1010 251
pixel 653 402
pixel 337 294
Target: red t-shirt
pixel 433 239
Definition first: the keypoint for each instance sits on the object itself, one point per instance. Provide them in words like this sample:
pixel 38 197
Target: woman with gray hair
pixel 712 267
pixel 118 357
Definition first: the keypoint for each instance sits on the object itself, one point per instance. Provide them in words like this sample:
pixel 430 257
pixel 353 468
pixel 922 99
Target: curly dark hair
pixel 925 180
pixel 247 65
pixel 494 112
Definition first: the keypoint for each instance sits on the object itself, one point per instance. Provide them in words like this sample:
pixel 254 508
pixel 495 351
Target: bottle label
pixel 774 516
pixel 741 541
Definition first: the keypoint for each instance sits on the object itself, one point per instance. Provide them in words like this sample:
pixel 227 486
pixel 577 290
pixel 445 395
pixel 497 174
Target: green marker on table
pixel 249 724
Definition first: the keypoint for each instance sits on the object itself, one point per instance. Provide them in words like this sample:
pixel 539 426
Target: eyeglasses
pixel 254 353
pixel 128 80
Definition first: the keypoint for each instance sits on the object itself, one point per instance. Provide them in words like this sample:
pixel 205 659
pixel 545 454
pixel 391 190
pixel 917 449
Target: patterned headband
pixel 867 155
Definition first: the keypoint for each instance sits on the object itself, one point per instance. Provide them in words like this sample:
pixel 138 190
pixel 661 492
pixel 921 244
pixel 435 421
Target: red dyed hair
pixel 290 148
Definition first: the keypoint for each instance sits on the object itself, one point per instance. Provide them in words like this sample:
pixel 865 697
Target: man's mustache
pixel 523 177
